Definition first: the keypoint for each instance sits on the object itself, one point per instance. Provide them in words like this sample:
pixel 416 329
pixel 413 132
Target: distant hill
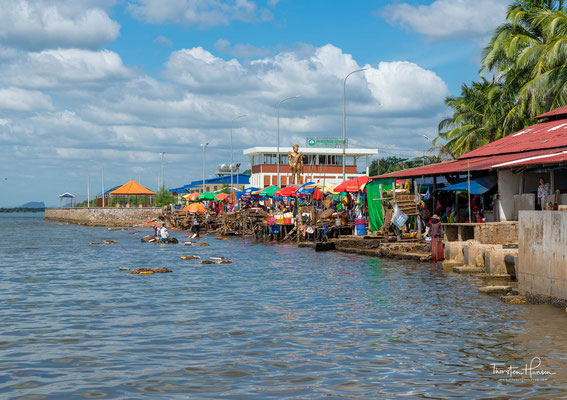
pixel 33 204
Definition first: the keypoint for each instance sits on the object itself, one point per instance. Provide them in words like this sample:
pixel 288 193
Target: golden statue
pixel 295 159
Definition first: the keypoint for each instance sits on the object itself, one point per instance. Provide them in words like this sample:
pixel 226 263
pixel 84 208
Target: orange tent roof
pixel 132 188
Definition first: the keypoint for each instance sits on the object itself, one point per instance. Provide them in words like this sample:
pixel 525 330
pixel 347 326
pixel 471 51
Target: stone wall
pixel 542 258
pixel 504 233
pixel 103 216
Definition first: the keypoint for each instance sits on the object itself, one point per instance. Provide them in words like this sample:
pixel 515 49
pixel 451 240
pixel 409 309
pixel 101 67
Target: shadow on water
pixel 280 322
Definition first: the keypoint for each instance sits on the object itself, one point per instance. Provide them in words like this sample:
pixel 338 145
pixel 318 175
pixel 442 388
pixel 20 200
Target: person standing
pixel 196 227
pixel 543 191
pixel 436 231
pixel 164 234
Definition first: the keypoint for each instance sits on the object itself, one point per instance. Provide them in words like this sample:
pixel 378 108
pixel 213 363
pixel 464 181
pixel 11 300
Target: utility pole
pixel 103 186
pixel 162 181
pixel 204 151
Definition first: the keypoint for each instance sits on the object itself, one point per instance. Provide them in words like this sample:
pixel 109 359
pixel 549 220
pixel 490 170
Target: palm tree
pixel 527 54
pixel 475 119
pixel 527 60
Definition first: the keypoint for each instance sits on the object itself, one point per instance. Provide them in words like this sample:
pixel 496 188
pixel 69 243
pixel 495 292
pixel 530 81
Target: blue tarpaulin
pixel 478 186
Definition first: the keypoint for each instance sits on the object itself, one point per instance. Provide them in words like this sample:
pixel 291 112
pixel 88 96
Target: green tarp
pixel 375 209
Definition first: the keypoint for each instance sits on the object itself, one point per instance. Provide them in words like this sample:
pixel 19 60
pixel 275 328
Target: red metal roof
pixel 462 165
pixel 546 135
pixel 550 158
pixel 541 139
pixel 553 113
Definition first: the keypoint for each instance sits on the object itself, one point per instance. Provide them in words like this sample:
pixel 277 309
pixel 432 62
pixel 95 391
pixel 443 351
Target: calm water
pixel 279 323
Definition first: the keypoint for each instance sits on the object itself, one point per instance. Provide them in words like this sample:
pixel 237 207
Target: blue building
pixel 239 181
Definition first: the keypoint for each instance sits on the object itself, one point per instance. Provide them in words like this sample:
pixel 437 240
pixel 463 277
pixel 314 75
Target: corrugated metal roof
pixel 550 158
pixel 462 165
pixel 553 113
pixel 546 135
pixel 541 139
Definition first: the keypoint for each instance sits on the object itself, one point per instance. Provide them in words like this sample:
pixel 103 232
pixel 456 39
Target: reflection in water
pixel 280 322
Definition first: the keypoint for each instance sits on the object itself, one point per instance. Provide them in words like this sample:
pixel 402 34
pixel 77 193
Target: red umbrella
pixel 317 195
pixel 286 191
pixel 352 185
pixel 222 196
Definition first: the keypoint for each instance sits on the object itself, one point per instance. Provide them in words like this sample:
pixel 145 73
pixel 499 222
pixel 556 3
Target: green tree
pixel 477 113
pixel 527 54
pixel 164 197
pixel 527 60
pixel 390 164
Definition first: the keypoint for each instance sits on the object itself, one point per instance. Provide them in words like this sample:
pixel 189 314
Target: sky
pixel 87 85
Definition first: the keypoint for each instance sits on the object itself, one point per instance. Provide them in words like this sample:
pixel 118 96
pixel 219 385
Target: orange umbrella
pixel 352 185
pixel 221 196
pixel 232 198
pixel 195 208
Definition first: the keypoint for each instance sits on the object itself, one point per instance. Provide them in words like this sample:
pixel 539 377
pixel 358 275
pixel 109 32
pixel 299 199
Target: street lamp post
pixel 103 186
pixel 204 150
pixel 278 152
pixel 231 161
pixel 88 190
pixel 344 118
pixel 162 183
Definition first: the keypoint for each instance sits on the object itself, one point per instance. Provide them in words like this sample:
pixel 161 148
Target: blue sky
pixel 113 82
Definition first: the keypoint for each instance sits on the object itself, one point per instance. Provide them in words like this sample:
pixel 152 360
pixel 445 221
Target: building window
pixel 269 158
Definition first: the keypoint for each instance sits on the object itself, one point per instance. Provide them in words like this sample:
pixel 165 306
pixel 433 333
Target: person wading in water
pixel 436 232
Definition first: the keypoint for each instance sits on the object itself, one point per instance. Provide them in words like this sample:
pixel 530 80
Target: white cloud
pixel 448 19
pixel 405 87
pixel 15 99
pixel 162 40
pixel 103 111
pixel 241 50
pixel 41 24
pixel 64 68
pixel 201 13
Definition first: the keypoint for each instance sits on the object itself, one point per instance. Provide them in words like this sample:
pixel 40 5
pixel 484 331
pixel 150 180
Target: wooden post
pixel 434 196
pixel 469 187
pixel 383 215
pixel 458 209
pixel 418 202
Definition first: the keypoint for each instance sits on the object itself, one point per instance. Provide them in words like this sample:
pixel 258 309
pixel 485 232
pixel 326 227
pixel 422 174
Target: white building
pixel 319 164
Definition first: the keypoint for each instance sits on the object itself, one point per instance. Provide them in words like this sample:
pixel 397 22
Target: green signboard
pixel 325 142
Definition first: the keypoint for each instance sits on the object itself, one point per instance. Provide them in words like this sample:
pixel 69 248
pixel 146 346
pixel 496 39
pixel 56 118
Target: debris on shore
pixel 147 271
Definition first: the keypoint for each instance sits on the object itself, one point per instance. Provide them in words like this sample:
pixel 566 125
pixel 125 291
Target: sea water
pixel 280 322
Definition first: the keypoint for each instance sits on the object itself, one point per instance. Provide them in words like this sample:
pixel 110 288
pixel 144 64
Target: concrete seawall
pixel 542 259
pixel 103 216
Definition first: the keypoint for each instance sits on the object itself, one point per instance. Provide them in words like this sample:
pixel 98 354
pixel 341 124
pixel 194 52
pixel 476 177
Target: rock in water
pixel 190 257
pixel 149 239
pixel 224 262
pixel 144 271
pixel 207 262
pixel 110 242
pixel 203 244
